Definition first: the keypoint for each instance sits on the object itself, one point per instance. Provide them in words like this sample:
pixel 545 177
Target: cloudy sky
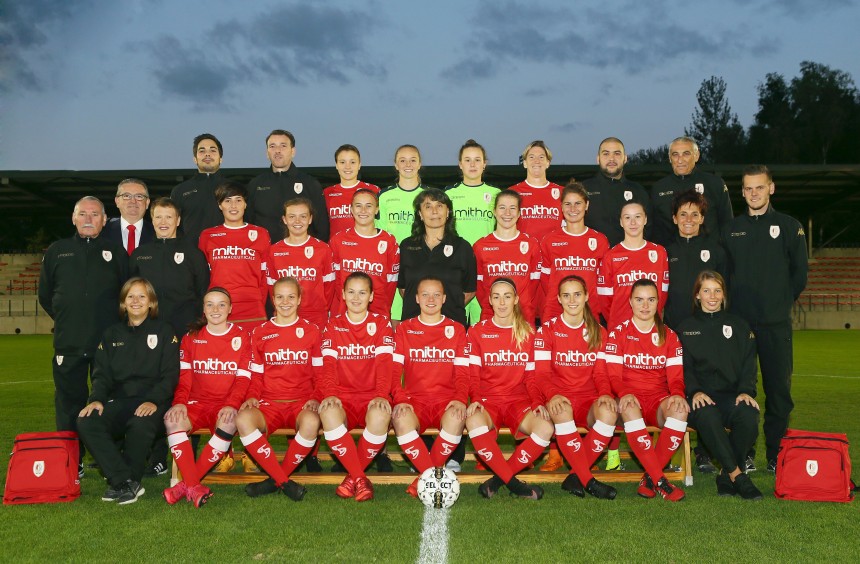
pixel 97 84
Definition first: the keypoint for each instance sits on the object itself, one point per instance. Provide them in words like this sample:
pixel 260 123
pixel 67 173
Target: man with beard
pixel 196 196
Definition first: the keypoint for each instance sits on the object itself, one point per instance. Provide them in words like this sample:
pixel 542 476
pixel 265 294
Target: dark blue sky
pixel 93 84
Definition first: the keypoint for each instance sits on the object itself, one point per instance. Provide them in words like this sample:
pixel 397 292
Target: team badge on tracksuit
pixel 727 331
pixel 774 231
pixel 152 341
pixel 178 257
pixel 705 255
pixel 107 255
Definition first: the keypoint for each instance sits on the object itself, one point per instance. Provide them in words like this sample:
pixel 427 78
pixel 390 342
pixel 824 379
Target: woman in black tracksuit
pixel 720 381
pixel 136 370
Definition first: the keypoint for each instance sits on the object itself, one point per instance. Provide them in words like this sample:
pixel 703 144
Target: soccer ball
pixel 438 488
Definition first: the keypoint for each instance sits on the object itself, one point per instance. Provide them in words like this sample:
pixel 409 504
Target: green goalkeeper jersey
pixel 473 209
pixel 396 211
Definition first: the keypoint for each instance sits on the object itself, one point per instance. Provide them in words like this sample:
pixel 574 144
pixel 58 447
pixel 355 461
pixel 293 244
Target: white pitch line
pixel 828 376
pixel 434 537
pixel 24 382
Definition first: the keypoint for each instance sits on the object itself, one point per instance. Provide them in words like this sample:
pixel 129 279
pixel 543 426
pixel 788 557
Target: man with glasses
pixel 131 229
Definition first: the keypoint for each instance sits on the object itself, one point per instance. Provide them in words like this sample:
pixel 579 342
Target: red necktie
pixel 131 230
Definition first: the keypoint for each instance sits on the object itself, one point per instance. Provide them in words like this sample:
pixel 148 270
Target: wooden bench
pixel 238 475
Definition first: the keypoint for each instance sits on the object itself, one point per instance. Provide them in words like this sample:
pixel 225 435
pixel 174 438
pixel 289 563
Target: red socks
pixel 341 444
pixel 443 447
pixel 670 439
pixel 490 454
pixel 640 443
pixel 415 450
pixel 180 447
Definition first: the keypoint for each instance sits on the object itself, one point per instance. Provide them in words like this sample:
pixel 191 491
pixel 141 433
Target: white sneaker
pixel 453 466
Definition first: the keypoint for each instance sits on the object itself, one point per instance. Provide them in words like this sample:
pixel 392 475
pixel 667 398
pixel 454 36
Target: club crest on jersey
pixel 705 255
pixel 655 338
pixel 60 359
pixel 297 187
pixel 152 341
pixel 652 256
pixel 300 332
pixel 382 246
pixel 774 231
pixel 488 197
pixel 371 328
pixel 727 331
pixel 555 193
pixel 252 234
pixel 592 244
pixel 628 195
pixel 524 247
pixel 39 468
pixel 449 331
pixel 236 343
pixel 107 255
pixel 309 252
pixel 448 250
pixel 812 467
pixel 585 333
pixel 700 188
pixel 178 257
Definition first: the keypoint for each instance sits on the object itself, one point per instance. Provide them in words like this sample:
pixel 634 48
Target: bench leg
pixel 687 462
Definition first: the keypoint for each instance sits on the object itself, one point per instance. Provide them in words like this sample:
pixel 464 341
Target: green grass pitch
pixel 559 528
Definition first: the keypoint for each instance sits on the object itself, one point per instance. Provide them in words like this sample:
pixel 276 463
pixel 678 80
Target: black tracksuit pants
pixel 711 421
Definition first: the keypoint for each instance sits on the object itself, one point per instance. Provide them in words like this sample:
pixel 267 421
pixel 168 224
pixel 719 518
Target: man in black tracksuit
pixel 610 191
pixel 196 196
pixel 683 155
pixel 79 285
pixel 767 272
pixel 283 181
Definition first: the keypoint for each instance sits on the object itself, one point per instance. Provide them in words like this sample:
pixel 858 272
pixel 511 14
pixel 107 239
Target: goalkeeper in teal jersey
pixel 396 204
pixel 473 202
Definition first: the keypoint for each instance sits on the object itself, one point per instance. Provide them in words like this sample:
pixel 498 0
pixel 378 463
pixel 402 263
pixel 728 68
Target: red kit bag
pixel 813 467
pixel 43 468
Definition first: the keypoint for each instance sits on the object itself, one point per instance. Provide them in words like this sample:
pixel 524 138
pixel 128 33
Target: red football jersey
pixel 286 361
pixel 338 200
pixel 564 363
pixel 310 264
pixel 621 267
pixel 518 259
pixel 357 357
pixel 540 212
pixel 498 369
pixel 637 365
pixel 377 256
pixel 563 254
pixel 237 260
pixel 432 361
pixel 214 368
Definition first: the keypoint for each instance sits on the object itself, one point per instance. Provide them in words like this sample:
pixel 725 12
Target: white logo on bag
pixel 297 187
pixel 59 360
pixel 152 341
pixel 236 343
pixel 413 452
pixel 265 451
pixel 592 244
pixel 628 195
pixel 309 252
pixel 774 231
pixel 178 257
pixel 727 331
pixel 339 450
pixel 645 440
pixel 705 255
pixel 485 454
pixel 39 468
pixel 107 255
pixel 812 467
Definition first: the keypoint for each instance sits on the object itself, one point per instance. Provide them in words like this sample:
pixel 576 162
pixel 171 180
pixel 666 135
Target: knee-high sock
pixel 341 444
pixel 574 450
pixel 369 446
pixel 596 440
pixel 614 443
pixel 490 454
pixel 670 439
pixel 415 450
pixel 640 443
pixel 180 448
pixel 213 452
pixel 299 448
pixel 526 452
pixel 258 448
pixel 443 447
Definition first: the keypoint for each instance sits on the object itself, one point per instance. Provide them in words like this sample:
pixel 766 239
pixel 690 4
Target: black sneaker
pixel 703 461
pixel 572 485
pixel 383 463
pixel 129 492
pixel 111 494
pixel 521 489
pixel 771 466
pixel 746 489
pixel 600 490
pixel 293 490
pixel 725 488
pixel 258 489
pixel 490 487
pixel 159 469
pixel 312 464
pixel 750 465
pixel 337 467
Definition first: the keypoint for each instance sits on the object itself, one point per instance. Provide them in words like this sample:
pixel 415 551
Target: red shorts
pixel 581 405
pixel 280 415
pixel 508 412
pixel 650 404
pixel 429 412
pixel 203 415
pixel 356 410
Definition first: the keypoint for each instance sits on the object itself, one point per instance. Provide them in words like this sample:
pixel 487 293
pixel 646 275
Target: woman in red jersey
pixel 510 253
pixel 305 258
pixel 644 361
pixel 214 376
pixel 540 209
pixel 430 359
pixel 285 363
pixel 338 198
pixel 366 248
pixel 504 392
pixel 357 349
pixel 567 350
pixel 236 252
